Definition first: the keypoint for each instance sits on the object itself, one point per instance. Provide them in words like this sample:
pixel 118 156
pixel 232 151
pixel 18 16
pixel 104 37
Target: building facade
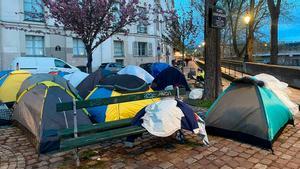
pixel 143 43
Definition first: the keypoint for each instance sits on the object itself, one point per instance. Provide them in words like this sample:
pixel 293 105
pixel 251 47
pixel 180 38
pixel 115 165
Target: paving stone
pixel 226 167
pixel 260 166
pixel 165 165
pixel 190 160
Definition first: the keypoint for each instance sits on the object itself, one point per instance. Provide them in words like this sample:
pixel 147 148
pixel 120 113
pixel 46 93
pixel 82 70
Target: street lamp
pixel 247 19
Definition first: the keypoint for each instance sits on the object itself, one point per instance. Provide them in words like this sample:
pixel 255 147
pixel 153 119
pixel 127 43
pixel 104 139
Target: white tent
pixel 76 77
pixel 137 71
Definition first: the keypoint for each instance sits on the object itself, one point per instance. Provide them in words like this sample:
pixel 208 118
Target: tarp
pixel 138 72
pixel 36 113
pixel 115 111
pixel 158 67
pixel 170 76
pixel 249 112
pixel 124 83
pixel 76 77
pixel 10 85
pixel 91 81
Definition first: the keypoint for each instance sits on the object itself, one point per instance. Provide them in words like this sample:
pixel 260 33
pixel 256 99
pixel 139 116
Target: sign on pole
pixel 217 17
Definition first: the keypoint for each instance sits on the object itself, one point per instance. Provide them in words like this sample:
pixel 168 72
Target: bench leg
pixel 76 157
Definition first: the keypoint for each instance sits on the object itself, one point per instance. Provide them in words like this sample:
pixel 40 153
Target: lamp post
pixel 247 20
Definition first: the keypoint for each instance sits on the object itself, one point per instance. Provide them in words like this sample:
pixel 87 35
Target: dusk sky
pixel 289 31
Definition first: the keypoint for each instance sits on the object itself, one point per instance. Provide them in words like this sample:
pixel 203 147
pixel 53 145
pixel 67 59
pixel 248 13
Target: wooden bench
pixel 80 136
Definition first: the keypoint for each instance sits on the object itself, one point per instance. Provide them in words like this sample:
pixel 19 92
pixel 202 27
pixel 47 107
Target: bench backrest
pixel 118 99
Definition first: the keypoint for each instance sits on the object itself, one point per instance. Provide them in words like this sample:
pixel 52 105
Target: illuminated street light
pixel 203 43
pixel 247 19
pixel 266 45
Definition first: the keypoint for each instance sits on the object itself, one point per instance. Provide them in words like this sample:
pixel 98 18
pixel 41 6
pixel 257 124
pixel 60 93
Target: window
pixel 118 49
pixel 141 28
pixel 33 10
pixel 157 22
pixel 120 61
pixel 34 45
pixel 116 12
pixel 61 64
pixel 142 49
pixel 78 47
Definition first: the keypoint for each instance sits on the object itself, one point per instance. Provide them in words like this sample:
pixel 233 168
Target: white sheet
pixel 280 89
pixel 163 118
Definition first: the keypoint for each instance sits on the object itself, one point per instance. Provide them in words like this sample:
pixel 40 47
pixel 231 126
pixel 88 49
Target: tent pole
pixel 177 93
pixel 76 132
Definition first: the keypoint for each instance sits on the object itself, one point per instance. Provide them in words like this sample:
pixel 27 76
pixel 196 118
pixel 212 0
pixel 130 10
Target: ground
pixel 153 152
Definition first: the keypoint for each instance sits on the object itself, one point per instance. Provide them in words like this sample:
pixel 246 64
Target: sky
pixel 289 30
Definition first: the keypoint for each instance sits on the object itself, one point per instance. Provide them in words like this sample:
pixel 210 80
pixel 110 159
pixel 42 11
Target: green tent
pixel 249 112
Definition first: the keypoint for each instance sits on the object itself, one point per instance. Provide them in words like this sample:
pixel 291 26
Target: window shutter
pixel 150 50
pixel 135 48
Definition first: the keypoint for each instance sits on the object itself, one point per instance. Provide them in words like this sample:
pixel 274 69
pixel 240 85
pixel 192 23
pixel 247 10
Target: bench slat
pixel 102 136
pixel 98 127
pixel 118 99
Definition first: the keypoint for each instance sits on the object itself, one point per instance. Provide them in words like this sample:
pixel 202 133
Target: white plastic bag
pixel 196 94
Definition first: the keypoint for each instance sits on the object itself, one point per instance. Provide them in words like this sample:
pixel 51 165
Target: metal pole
pixel 76 132
pixel 177 93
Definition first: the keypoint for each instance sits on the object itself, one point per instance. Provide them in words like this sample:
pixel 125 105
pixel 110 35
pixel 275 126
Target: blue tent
pixel 4 72
pixel 170 76
pixel 156 68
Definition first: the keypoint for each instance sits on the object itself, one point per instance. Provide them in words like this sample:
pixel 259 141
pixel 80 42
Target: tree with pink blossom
pixel 94 21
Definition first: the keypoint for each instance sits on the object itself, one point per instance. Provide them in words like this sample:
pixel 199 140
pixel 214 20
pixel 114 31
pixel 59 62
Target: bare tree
pixel 181 31
pixel 274 10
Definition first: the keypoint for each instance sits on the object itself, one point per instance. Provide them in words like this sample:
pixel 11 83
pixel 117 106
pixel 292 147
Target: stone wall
pixel 286 74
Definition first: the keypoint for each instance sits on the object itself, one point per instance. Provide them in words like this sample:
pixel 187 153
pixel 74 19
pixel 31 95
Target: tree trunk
pixel 182 68
pixel 89 60
pixel 212 82
pixel 274 41
pixel 250 39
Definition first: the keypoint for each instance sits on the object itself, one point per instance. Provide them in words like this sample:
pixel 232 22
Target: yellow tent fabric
pixel 11 85
pixel 127 109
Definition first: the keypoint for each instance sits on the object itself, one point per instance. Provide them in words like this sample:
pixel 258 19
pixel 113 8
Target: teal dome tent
pixel 249 112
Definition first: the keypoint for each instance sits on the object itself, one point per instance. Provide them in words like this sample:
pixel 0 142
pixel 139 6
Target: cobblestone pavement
pixel 153 152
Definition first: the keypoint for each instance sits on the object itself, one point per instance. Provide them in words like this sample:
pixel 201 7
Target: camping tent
pixel 41 119
pixel 115 111
pixel 249 112
pixel 76 77
pixel 169 76
pixel 36 78
pixel 158 67
pixel 10 84
pixel 124 83
pixel 137 71
pixel 90 82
